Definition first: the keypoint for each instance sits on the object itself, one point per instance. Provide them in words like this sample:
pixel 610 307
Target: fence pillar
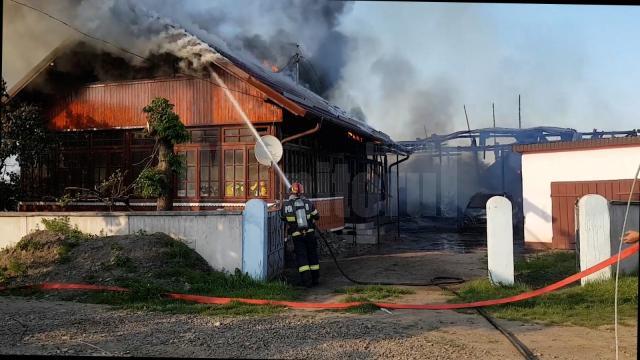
pixel 255 239
pixel 594 235
pixel 500 240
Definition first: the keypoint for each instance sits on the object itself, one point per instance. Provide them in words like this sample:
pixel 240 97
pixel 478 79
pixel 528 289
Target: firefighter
pixel 300 215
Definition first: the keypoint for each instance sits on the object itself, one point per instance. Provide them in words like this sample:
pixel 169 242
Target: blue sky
pixel 575 66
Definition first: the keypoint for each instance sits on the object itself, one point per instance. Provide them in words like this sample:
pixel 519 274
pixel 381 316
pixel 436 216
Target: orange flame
pixel 270 65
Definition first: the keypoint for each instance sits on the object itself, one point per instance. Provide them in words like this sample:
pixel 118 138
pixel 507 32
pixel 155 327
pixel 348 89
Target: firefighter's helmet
pixel 297 188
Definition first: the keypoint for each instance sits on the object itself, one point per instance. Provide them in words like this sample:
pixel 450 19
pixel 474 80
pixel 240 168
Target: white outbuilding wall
pixel 540 169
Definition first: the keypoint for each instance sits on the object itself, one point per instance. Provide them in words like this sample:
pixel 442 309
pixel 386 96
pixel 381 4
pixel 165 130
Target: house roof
pixel 588 144
pixel 286 88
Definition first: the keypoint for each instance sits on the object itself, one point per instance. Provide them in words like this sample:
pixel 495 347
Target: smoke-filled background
pixel 405 68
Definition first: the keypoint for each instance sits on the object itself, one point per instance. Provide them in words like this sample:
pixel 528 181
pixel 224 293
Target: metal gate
pixel 275 246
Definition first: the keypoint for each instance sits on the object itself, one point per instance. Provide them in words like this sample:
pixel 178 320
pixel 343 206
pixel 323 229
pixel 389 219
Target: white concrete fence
pixel 599 229
pixel 227 240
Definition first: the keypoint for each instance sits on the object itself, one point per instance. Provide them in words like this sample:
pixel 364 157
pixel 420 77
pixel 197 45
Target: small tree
pixel 164 125
pixel 23 135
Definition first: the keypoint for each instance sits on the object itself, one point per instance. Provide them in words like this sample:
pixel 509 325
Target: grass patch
pixel 179 260
pixel 591 305
pixel 215 283
pixel 181 275
pixel 179 307
pixel 366 308
pixel 372 293
pixel 146 296
pixel 545 268
pixel 369 294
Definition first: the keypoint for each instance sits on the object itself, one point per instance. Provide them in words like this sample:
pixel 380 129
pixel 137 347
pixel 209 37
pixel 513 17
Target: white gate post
pixel 500 240
pixel 254 239
pixel 594 233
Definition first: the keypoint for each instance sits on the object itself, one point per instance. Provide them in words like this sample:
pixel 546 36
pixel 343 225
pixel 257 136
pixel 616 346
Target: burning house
pixel 342 162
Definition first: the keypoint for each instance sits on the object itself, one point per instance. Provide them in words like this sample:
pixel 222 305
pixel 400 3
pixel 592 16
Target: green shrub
pixel 62 226
pixel 15 267
pixel 29 244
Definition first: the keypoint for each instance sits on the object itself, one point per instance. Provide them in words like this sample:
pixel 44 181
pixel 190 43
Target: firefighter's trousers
pixel 305 247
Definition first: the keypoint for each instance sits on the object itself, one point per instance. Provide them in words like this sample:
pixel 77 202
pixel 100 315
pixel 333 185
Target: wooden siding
pixel 331 213
pixel 197 101
pixel 564 196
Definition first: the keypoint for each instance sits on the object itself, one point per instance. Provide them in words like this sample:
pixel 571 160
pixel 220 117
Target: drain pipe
pixel 397 163
pixel 304 133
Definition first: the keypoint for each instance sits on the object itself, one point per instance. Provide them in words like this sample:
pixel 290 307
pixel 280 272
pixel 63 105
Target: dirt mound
pixel 116 260
pixel 32 255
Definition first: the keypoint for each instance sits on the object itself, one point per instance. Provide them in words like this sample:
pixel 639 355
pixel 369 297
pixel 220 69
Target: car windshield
pixel 480 200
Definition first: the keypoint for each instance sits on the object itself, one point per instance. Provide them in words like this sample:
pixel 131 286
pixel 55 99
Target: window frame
pixel 221 146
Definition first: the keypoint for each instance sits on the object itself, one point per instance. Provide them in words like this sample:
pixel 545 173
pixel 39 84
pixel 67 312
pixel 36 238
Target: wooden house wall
pixel 198 102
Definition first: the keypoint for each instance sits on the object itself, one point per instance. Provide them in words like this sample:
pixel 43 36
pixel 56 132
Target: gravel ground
pixel 55 327
pixel 66 328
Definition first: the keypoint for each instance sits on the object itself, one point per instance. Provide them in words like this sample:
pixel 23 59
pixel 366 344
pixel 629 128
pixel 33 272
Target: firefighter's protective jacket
pixel 300 215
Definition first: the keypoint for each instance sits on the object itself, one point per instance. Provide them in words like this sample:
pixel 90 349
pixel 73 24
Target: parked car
pixel 475 214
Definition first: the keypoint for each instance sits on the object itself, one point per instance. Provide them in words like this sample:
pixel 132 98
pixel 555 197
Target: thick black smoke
pixel 268 33
pixel 272 33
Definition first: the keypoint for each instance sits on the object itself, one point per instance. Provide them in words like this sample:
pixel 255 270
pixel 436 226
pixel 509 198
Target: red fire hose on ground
pixel 50 286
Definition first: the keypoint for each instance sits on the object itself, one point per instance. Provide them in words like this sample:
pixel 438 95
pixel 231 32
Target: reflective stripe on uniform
pixel 309 230
pixel 291 218
pixel 296 233
pixel 315 267
pixel 304 268
pixel 314 212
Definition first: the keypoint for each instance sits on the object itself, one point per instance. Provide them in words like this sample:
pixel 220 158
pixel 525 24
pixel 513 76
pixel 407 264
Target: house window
pixel 205 136
pixel 234 173
pixel 187 180
pixel 210 173
pixel 107 138
pixel 100 167
pixel 258 177
pixel 73 166
pixel 243 134
pixel 324 175
pixel 105 163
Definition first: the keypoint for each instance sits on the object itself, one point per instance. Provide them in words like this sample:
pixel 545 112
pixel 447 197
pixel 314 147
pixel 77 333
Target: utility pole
pixel 473 139
pixel 297 63
pixel 466 117
pixel 493 109
pixel 519 117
